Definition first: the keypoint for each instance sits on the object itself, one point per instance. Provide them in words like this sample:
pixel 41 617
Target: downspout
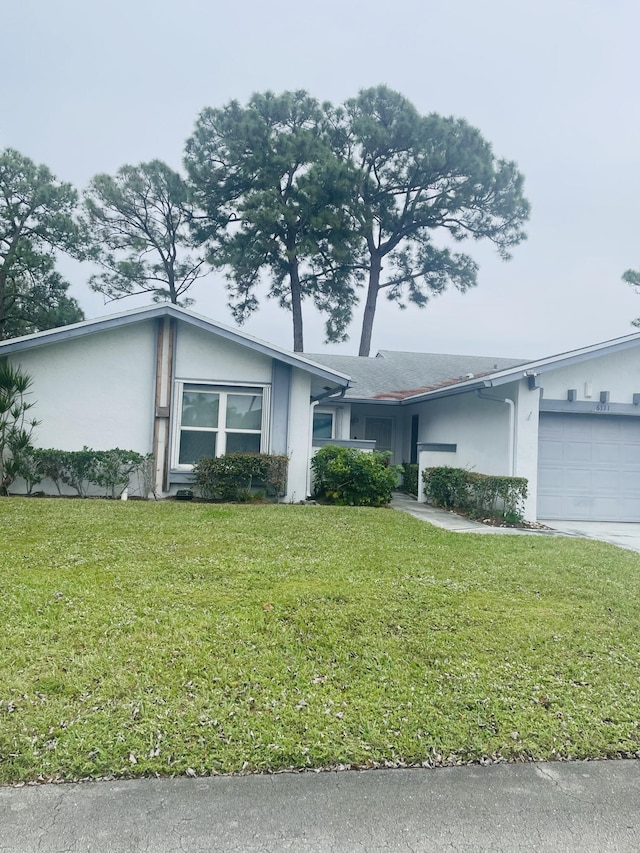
pixel 512 426
pixel 314 403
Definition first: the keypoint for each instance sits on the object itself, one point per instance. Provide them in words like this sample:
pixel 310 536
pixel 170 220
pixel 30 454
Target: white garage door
pixel 589 467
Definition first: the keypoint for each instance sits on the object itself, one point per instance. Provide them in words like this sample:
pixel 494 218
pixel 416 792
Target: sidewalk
pixel 457 523
pixel 623 534
pixel 505 808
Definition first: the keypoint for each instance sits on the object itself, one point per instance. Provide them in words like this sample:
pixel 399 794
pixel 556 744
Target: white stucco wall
pixel 489 439
pixel 95 390
pixel 618 373
pixel 206 357
pixel 299 436
pixel 479 428
pixel 526 443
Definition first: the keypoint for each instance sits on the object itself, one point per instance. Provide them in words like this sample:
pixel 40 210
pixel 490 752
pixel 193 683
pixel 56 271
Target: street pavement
pixel 563 806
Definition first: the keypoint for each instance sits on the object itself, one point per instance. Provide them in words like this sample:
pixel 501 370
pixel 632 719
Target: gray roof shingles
pixel 395 375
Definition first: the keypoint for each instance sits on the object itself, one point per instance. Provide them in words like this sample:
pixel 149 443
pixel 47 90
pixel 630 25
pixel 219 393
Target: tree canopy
pixel 138 221
pixel 36 220
pixel 420 178
pixel 632 277
pixel 318 198
pixel 275 199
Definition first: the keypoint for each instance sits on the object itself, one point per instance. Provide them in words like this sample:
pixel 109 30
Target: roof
pixel 397 375
pixel 334 377
pixel 399 378
pixel 404 378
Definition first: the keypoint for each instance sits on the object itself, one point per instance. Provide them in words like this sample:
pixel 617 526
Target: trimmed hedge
pixel 112 470
pixel 233 477
pixel 350 477
pixel 410 478
pixel 479 494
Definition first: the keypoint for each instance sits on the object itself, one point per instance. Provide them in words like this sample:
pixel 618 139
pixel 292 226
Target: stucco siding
pixel 618 373
pixel 526 443
pixel 95 391
pixel 479 429
pixel 299 438
pixel 201 356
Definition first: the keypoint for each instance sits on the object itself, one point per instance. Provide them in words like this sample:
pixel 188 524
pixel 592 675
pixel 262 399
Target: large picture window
pixel 218 420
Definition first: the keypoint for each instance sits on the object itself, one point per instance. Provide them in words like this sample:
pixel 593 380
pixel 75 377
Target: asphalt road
pixel 572 806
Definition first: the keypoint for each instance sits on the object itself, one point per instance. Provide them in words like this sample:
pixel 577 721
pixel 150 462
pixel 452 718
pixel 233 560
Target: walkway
pixel 624 534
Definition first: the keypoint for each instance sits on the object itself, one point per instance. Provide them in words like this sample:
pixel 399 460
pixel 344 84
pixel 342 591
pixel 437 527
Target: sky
pixel 552 84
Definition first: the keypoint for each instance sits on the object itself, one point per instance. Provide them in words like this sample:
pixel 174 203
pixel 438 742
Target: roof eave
pixel 101 324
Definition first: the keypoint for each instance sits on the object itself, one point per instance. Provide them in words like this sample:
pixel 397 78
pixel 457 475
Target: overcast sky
pixel 552 84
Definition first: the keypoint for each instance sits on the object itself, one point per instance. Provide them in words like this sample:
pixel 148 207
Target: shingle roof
pixel 395 375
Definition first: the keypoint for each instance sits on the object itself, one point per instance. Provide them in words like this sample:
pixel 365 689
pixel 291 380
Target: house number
pixel 603 407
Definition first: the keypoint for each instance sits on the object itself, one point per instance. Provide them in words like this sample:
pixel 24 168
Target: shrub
pixel 77 469
pixel 445 486
pixel 49 465
pixel 113 469
pixel 343 475
pixel 481 494
pixel 234 476
pixel 15 428
pixel 410 478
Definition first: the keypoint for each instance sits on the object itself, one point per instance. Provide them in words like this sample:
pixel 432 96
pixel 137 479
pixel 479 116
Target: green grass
pixel 169 638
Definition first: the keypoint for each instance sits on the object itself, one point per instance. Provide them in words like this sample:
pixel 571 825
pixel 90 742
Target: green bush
pixel 479 494
pixel 233 477
pixel 410 478
pixel 49 463
pixel 113 470
pixel 446 487
pixel 349 477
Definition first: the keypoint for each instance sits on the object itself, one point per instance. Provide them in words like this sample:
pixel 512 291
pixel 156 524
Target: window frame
pixel 319 411
pixel 224 390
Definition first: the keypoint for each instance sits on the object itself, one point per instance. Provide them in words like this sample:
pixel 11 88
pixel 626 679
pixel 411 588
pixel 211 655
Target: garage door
pixel 589 467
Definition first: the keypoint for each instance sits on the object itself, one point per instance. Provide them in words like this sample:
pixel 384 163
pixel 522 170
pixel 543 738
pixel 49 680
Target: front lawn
pixel 140 638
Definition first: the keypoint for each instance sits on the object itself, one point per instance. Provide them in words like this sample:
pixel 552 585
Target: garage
pixel 589 467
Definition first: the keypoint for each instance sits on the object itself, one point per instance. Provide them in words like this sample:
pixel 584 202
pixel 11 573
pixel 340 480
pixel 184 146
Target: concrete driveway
pixel 624 534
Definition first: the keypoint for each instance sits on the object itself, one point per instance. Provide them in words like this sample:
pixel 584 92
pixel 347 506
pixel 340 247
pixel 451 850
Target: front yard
pixel 169 638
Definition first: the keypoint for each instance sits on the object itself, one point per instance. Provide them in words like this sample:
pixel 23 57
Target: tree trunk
pixel 296 307
pixel 173 296
pixel 370 305
pixel 3 291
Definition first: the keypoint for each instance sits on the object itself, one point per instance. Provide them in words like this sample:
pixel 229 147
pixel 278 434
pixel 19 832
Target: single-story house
pixel 165 380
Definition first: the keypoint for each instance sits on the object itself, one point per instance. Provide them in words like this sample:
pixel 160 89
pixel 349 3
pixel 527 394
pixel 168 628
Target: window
pixel 217 420
pixel 323 424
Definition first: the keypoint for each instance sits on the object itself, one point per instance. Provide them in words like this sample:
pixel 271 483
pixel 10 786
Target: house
pixel 167 380
pixel 568 423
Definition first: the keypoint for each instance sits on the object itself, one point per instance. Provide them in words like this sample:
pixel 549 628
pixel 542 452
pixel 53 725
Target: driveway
pixel 624 534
